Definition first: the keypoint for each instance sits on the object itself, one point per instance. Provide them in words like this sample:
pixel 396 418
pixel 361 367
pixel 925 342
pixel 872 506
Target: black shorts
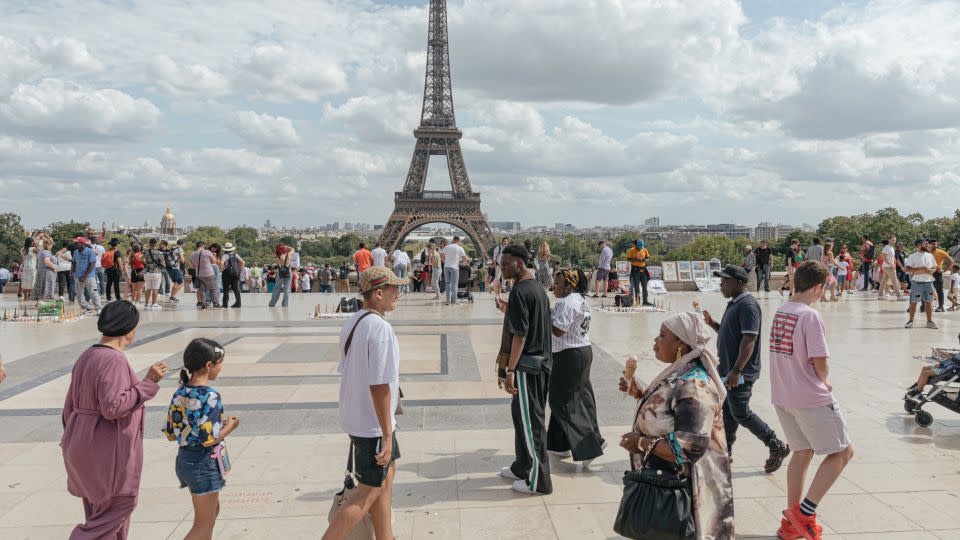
pixel 365 451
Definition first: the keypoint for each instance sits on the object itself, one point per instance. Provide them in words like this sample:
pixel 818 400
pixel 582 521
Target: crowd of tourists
pixel 686 420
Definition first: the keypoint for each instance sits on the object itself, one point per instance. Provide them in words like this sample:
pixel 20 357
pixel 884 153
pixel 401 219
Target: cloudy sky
pixel 577 111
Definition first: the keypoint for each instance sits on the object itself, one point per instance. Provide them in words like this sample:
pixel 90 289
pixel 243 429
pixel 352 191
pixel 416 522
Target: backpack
pixel 108 259
pixel 871 252
pixel 232 268
pixel 169 260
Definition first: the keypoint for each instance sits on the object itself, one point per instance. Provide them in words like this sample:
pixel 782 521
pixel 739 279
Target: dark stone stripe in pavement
pixel 32 371
pixel 313 405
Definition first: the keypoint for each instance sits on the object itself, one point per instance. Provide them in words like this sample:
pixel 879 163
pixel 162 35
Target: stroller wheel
pixel 924 418
pixel 909 405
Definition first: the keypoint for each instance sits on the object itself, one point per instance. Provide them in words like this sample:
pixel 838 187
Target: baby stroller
pixel 464 284
pixel 944 389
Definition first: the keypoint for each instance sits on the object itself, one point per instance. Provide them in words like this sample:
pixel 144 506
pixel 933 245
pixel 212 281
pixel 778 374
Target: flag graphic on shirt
pixel 781 333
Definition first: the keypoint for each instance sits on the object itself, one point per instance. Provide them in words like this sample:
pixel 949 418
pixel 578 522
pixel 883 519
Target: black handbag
pixel 657 504
pixel 529 363
pixel 283 272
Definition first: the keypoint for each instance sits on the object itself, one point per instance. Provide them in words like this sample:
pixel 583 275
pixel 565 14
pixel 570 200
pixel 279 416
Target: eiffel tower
pixel 437 136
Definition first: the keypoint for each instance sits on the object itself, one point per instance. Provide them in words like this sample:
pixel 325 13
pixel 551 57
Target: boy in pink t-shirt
pixel 803 398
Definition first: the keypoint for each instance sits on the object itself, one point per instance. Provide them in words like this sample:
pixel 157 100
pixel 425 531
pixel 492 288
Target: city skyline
pixel 724 112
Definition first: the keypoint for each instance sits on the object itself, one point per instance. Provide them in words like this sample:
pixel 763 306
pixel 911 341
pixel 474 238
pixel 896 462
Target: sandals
pixel 775 461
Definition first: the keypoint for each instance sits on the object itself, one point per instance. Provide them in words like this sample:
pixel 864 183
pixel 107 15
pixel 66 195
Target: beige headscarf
pixel 692 330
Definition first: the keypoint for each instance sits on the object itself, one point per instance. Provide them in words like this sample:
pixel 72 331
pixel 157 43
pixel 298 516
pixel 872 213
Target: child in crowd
pixel 195 420
pixel 954 295
pixel 948 362
pixel 842 268
pixel 804 401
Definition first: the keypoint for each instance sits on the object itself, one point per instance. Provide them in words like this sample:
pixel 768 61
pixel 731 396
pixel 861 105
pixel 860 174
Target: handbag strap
pixel 346 347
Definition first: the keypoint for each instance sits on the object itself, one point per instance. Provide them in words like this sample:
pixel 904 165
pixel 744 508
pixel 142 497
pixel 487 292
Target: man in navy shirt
pixel 739 354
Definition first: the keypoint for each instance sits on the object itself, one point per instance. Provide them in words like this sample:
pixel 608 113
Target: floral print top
pixel 686 410
pixel 195 416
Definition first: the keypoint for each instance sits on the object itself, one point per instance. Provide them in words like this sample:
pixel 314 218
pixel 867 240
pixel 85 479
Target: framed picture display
pixel 684 272
pixel 656 272
pixel 670 271
pixel 699 269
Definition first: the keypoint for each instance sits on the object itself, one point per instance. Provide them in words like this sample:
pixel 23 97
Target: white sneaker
pixel 507 473
pixel 586 463
pixel 520 486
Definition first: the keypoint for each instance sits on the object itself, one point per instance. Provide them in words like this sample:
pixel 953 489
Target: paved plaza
pixel 289 454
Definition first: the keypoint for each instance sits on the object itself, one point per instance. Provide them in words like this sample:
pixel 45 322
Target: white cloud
pixel 59 110
pixel 187 80
pixel 225 162
pixel 602 51
pixel 885 67
pixel 64 54
pixel 277 73
pixel 263 130
pixel 381 118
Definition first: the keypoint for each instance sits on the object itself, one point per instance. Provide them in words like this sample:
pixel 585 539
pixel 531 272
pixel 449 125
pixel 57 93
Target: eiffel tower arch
pixel 437 135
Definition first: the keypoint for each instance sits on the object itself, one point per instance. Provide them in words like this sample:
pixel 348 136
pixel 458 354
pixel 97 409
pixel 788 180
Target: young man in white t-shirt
pixel 888 269
pixel 453 256
pixel 401 266
pixel 921 266
pixel 379 256
pixel 369 393
pixel 801 393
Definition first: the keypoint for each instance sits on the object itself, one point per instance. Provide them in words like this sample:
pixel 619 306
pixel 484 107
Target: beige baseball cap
pixel 379 276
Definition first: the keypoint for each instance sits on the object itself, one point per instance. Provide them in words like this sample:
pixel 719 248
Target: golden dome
pixel 168 215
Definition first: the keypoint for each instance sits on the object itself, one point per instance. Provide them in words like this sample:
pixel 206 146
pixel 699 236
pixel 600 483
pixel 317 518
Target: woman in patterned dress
pixel 46 284
pixel 680 416
pixel 544 274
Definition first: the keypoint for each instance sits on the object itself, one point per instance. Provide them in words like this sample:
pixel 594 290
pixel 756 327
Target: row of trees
pixel 572 249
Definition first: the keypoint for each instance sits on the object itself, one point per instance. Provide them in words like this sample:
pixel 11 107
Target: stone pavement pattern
pixel 289 453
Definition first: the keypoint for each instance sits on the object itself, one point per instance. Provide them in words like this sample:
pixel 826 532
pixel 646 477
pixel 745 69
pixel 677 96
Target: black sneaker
pixel 777 455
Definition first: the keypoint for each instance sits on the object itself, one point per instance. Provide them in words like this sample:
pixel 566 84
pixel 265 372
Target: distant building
pixel 675 236
pixel 650 223
pixel 772 233
pixel 505 227
pixel 168 224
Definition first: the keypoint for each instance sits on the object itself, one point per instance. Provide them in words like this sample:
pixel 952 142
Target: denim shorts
pixel 176 275
pixel 197 470
pixel 921 292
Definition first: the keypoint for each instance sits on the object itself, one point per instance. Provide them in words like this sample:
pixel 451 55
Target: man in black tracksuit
pixel 526 346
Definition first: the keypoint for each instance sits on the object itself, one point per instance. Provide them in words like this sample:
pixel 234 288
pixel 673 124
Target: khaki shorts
pixel 151 280
pixel 821 429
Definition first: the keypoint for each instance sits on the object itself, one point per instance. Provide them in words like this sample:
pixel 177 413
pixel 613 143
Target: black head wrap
pixel 118 318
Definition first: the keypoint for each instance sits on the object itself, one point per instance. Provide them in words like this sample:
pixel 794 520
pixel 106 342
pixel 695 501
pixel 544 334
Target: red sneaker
pixel 805 525
pixel 788 531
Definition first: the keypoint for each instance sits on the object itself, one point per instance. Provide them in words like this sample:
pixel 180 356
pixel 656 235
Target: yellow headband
pixel 570 276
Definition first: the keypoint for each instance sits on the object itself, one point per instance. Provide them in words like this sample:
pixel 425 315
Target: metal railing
pixel 436 196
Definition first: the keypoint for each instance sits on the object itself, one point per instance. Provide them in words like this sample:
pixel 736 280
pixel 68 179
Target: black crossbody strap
pixel 346 346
